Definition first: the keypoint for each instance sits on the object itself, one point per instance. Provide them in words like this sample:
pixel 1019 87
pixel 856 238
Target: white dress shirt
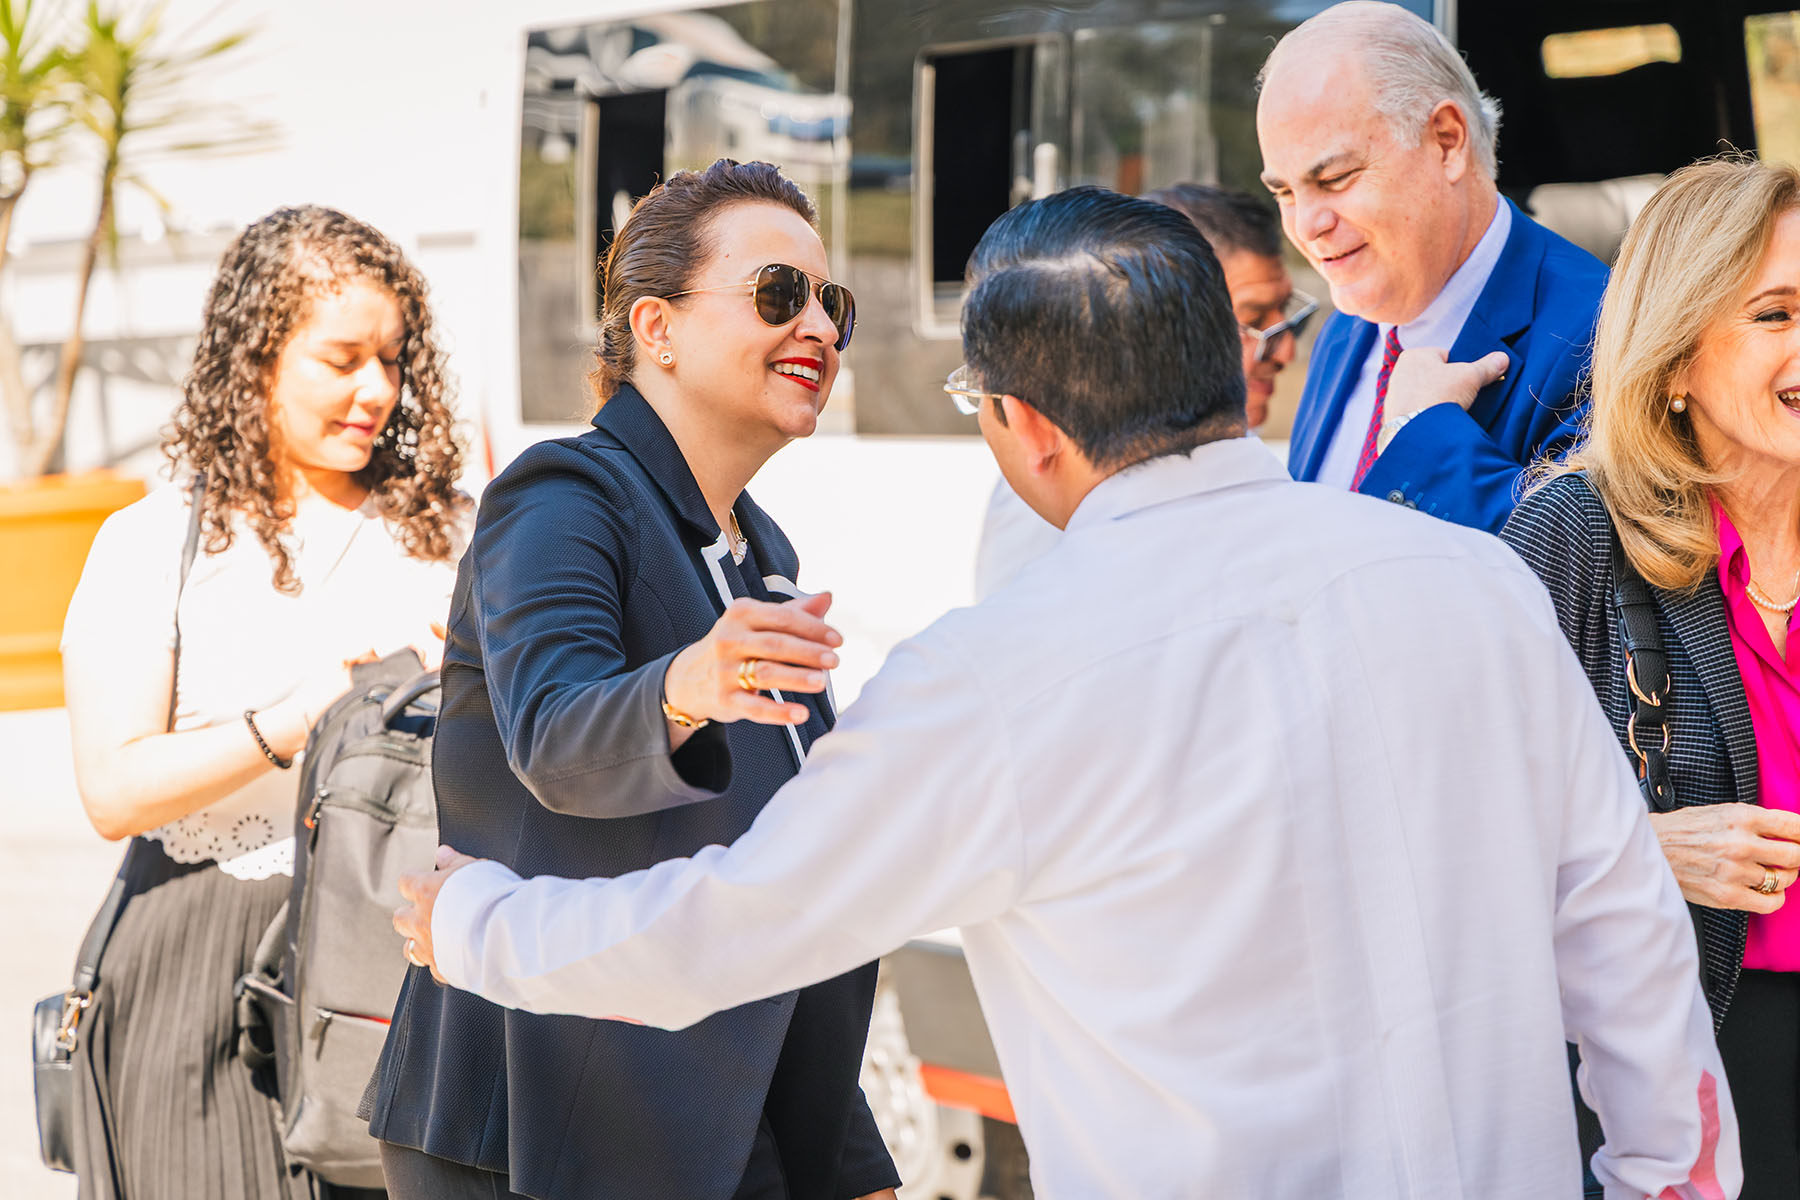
pixel 1013 536
pixel 1287 841
pixel 1438 326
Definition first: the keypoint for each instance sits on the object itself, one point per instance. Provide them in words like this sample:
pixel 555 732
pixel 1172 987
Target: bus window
pixel 1772 43
pixel 552 267
pixel 1142 106
pixel 984 144
pixel 1590 52
pixel 628 162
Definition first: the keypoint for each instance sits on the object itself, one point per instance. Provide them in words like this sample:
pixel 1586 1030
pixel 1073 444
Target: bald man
pixel 1463 327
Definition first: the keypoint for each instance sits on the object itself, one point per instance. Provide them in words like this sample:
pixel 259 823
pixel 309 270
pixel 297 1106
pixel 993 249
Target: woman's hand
pixel 285 726
pixel 1719 853
pixel 789 646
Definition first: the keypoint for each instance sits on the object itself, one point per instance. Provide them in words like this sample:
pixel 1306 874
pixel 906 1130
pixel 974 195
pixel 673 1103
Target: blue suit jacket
pixel 1539 306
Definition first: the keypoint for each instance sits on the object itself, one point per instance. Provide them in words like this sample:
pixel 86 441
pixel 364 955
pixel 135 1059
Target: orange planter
pixel 46 527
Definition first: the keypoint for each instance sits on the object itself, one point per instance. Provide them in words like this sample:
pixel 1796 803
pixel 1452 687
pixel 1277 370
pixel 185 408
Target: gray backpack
pixel 321 992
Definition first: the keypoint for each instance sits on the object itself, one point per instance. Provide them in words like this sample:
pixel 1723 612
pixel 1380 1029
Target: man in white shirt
pixel 1286 837
pixel 1381 152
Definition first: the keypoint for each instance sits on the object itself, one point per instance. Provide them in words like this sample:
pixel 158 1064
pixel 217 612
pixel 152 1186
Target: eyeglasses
pixel 1294 315
pixel 782 292
pixel 963 392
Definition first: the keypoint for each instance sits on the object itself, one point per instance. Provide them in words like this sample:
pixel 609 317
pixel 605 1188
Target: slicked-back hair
pixel 666 242
pixel 1234 222
pixel 1109 315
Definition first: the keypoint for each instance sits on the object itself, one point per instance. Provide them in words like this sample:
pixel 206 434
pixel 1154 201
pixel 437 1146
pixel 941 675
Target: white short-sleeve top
pixel 245 645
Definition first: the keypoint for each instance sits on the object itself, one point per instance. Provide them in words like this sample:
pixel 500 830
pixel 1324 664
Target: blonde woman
pixel 1692 461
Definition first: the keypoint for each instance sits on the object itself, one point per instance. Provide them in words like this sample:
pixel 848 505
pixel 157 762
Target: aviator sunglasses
pixel 780 293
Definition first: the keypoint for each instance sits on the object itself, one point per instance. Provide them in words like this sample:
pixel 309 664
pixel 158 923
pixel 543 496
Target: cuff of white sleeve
pixel 465 900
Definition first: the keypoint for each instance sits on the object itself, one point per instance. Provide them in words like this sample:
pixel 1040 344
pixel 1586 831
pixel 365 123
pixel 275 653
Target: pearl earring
pixel 1678 404
pixel 666 358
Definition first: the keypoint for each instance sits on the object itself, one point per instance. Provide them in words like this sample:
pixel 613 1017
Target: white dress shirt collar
pixel 1439 325
pixel 1211 467
pixel 1442 321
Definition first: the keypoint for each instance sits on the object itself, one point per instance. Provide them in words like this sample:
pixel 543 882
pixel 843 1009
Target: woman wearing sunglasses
pixel 630 673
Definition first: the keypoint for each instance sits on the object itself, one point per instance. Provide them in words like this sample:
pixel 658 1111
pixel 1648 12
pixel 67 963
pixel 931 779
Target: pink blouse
pixel 1772 688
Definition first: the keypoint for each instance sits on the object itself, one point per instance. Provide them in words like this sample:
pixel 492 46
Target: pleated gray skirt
pixel 165 1109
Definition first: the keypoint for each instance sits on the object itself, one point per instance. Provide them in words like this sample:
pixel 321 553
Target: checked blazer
pixel 595 559
pixel 1564 533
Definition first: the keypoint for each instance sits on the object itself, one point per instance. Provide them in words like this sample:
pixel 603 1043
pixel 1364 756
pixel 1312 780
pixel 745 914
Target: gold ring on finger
pixel 1771 882
pixel 747 675
pixel 412 952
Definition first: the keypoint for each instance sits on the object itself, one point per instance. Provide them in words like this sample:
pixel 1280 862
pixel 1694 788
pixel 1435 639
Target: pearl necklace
pixel 1761 599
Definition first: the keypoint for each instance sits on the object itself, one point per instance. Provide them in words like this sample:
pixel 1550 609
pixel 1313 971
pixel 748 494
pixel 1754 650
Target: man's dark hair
pixel 1232 221
pixel 1109 315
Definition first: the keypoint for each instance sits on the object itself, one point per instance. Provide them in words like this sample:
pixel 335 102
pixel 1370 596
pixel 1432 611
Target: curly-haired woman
pixel 316 422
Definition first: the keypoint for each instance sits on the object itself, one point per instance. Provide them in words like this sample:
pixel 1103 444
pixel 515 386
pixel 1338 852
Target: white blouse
pixel 245 645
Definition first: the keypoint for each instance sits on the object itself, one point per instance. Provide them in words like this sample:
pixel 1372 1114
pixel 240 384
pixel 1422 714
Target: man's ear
pixel 1448 130
pixel 650 326
pixel 1040 439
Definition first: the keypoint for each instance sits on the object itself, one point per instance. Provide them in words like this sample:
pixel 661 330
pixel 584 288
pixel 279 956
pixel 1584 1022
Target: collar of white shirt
pixel 1442 321
pixel 1211 467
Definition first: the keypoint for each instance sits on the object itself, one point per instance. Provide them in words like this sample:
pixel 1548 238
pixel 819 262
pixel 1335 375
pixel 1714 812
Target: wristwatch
pixel 1385 436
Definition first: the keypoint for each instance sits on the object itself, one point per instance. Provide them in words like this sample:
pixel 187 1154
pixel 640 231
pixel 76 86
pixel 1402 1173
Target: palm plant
pixel 34 116
pixel 128 77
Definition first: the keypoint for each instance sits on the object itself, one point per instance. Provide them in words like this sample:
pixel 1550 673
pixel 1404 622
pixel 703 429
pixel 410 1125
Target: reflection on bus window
pixel 987 141
pixel 1142 101
pixel 1772 42
pixel 611 108
pixel 1590 52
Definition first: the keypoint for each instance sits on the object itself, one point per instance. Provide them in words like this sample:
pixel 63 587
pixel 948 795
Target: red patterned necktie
pixel 1390 350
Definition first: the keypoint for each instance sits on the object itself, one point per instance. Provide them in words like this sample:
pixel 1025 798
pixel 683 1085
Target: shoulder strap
pixel 1647 729
pixel 87 962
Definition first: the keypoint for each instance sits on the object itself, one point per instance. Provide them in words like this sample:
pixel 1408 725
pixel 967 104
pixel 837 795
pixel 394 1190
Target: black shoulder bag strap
pixel 1647 730
pixel 87 963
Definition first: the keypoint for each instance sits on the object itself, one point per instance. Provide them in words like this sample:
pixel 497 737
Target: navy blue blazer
pixel 594 561
pixel 1539 306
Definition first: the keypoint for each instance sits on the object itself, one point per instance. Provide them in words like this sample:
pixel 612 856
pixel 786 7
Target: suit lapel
pixel 1336 376
pixel 1698 619
pixel 1502 312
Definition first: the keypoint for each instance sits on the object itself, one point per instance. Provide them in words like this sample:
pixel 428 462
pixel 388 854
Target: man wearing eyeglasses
pixel 1272 314
pixel 1463 327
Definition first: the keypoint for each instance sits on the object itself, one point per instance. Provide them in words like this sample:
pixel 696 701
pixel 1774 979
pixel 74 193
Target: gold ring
pixel 1771 882
pixel 747 675
pixel 412 953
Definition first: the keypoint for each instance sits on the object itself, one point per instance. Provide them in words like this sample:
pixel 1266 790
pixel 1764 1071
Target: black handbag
pixel 56 1021
pixel 1647 729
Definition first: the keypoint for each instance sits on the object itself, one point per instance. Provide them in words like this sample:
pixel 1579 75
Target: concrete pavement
pixel 54 870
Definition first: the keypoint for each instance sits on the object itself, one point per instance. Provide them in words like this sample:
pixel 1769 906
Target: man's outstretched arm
pixel 903 821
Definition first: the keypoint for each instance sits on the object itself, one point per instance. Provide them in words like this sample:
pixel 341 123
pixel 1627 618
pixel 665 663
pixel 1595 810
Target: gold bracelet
pixel 682 719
